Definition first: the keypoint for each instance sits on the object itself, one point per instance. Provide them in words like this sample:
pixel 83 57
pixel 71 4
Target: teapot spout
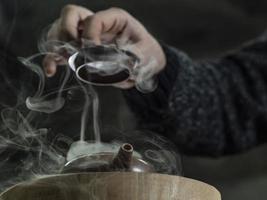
pixel 123 160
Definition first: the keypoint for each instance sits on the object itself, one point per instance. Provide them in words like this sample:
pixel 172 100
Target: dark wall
pixel 203 29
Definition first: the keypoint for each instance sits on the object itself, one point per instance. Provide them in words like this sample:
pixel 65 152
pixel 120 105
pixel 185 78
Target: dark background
pixel 203 29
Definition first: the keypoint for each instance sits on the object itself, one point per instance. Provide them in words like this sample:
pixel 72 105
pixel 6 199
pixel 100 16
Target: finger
pixel 92 30
pixel 50 65
pixel 71 16
pixel 108 38
pixel 109 22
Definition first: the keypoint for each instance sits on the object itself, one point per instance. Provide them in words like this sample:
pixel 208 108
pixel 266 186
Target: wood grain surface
pixel 112 186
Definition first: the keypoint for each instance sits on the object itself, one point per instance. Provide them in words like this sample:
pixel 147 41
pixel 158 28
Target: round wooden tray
pixel 112 186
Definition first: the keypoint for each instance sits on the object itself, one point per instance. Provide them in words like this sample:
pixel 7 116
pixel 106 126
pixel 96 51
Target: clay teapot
pixel 124 160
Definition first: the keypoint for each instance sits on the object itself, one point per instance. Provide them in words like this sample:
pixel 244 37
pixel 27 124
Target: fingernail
pixel 48 73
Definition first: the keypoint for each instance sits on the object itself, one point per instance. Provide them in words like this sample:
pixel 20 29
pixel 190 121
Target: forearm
pixel 216 107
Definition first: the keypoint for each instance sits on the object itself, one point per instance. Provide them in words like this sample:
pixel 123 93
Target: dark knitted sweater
pixel 209 108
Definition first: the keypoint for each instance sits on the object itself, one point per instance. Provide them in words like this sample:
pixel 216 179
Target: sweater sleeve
pixel 208 108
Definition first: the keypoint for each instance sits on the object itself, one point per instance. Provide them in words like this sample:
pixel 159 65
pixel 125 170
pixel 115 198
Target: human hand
pixel 109 26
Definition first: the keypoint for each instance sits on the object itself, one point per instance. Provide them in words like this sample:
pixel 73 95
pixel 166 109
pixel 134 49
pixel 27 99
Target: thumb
pixel 49 65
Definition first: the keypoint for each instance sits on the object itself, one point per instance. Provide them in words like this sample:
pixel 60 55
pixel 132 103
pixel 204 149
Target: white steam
pixel 43 103
pixel 26 148
pixel 41 157
pixel 145 79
